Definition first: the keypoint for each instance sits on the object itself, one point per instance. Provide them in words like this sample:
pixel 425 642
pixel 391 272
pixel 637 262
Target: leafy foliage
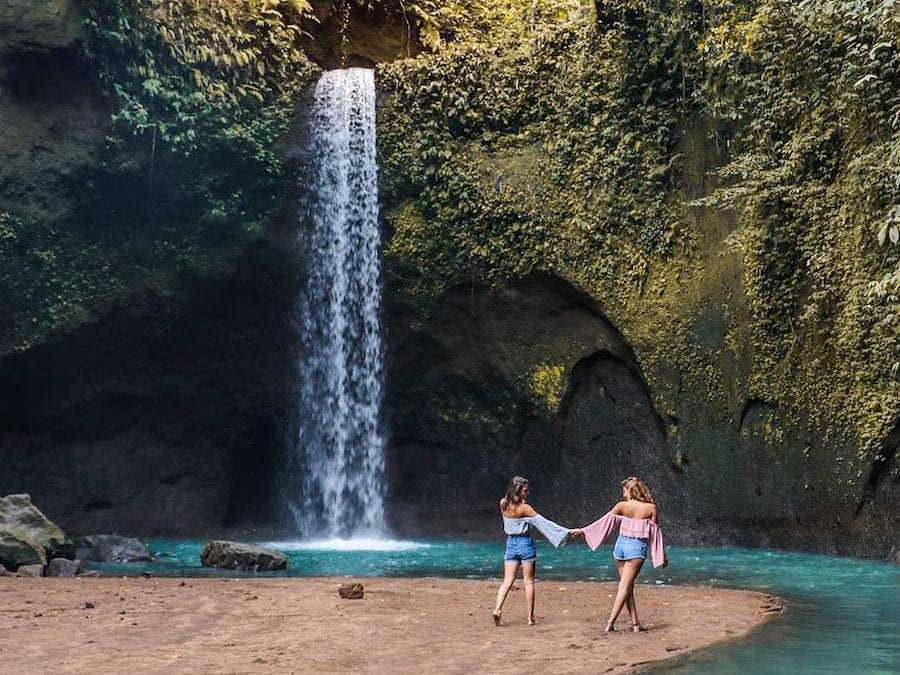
pixel 817 174
pixel 192 73
pixel 563 146
pixel 200 93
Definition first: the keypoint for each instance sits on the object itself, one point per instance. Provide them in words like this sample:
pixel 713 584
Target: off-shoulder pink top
pixel 643 528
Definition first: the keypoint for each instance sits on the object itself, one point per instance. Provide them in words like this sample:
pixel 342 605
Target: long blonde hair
pixel 637 489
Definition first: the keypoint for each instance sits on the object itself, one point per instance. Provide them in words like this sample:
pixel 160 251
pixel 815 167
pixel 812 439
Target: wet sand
pixel 158 625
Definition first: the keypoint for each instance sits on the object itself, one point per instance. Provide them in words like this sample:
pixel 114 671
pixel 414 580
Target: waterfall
pixel 339 445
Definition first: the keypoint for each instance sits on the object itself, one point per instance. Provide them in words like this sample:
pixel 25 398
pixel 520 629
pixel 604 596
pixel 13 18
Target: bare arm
pixel 619 509
pixel 654 514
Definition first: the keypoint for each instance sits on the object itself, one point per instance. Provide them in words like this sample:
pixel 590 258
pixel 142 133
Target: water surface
pixel 843 613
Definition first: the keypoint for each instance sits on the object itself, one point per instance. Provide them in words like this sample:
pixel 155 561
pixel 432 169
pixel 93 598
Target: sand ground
pixel 156 625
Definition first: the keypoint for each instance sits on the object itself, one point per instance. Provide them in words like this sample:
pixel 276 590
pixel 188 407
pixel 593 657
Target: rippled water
pixel 843 613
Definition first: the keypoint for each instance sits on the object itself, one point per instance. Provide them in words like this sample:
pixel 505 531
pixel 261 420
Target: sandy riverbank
pixel 157 625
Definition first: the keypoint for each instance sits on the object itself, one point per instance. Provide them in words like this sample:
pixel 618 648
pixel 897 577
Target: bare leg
pixel 509 576
pixel 632 609
pixel 620 566
pixel 630 603
pixel 629 571
pixel 528 577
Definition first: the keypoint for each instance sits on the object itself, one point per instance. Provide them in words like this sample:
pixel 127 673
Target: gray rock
pixel 30 571
pixel 27 536
pixel 18 550
pixel 60 567
pixel 232 555
pixel 42 24
pixel 351 591
pixel 112 548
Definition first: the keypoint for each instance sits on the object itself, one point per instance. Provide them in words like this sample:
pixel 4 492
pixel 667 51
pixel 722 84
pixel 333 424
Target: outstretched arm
pixel 599 530
pixel 555 533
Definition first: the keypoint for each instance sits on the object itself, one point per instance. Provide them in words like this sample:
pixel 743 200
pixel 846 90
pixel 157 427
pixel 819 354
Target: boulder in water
pixel 112 548
pixel 233 555
pixel 27 536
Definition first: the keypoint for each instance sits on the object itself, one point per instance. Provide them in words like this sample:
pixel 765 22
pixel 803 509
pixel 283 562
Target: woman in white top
pixel 518 516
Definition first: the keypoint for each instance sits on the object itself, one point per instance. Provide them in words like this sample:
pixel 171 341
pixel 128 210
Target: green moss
pixel 546 386
pixel 200 97
pixel 577 150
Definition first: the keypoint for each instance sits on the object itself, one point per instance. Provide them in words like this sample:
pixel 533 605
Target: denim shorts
pixel 630 548
pixel 520 547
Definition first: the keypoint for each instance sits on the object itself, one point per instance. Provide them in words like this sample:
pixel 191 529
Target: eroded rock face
pixel 160 418
pixel 232 555
pixel 16 551
pixel 45 24
pixel 359 35
pixel 468 409
pixel 54 123
pixel 27 536
pixel 464 417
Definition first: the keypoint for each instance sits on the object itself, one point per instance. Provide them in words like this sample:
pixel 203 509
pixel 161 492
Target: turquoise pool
pixel 844 613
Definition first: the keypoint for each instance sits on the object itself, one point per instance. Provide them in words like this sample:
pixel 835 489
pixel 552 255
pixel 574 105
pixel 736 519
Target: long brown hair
pixel 637 489
pixel 514 491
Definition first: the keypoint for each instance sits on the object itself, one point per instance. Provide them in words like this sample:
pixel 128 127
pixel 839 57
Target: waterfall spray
pixel 339 443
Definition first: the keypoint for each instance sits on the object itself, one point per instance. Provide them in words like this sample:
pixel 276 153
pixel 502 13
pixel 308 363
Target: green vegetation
pixel 222 71
pixel 722 176
pixel 577 147
pixel 201 93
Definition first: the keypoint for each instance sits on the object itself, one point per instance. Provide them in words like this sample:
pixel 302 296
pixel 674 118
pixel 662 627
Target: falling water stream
pixel 339 448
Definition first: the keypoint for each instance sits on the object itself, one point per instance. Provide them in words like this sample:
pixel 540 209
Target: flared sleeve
pixel 597 532
pixel 556 534
pixel 657 545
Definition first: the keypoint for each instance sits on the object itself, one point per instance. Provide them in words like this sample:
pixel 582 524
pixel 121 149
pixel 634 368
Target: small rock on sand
pixel 351 591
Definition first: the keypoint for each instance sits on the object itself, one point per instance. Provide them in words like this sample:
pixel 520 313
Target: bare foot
pixel 496 617
pixel 610 627
pixel 531 621
pixel 638 628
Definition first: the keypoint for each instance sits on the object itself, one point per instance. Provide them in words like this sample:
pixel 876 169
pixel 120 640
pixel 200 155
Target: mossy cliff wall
pixel 146 264
pixel 656 163
pixel 148 272
pixel 620 238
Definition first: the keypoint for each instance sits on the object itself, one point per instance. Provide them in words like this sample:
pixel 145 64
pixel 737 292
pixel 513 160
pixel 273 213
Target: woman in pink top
pixel 636 519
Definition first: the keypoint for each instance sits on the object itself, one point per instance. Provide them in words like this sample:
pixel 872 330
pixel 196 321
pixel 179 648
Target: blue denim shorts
pixel 629 548
pixel 520 547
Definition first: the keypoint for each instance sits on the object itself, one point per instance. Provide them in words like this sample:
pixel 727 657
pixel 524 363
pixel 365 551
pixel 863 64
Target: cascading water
pixel 339 444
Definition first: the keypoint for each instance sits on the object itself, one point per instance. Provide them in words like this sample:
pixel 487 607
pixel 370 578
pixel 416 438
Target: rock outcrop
pixel 529 379
pixel 27 536
pixel 232 555
pixel 48 24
